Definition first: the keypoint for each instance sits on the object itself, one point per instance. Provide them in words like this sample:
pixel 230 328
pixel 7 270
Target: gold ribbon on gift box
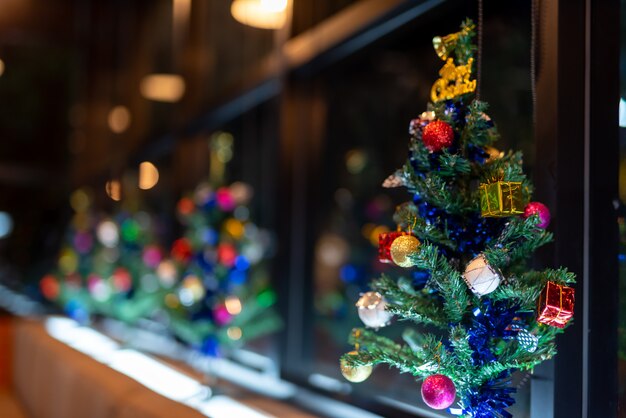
pixel 501 198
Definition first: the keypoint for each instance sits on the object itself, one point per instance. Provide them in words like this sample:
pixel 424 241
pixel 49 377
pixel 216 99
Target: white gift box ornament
pixel 481 278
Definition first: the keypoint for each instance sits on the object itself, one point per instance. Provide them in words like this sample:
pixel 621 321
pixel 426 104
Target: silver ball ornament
pixel 371 309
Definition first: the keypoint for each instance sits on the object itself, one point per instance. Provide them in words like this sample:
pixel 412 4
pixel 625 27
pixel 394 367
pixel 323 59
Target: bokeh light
pixel 163 87
pixel 234 333
pixel 6 224
pixel 80 200
pixel 108 233
pixel 119 119
pixel 114 189
pixel 148 175
pixel 356 160
pixel 263 14
pixel 233 305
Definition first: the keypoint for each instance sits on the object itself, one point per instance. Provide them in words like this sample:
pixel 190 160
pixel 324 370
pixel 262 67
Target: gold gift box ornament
pixel 501 198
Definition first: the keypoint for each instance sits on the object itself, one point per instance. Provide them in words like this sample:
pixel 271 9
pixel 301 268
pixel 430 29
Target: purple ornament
pixel 438 391
pixel 539 209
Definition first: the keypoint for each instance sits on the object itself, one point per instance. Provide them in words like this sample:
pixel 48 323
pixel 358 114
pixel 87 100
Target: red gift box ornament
pixel 556 305
pixel 384 245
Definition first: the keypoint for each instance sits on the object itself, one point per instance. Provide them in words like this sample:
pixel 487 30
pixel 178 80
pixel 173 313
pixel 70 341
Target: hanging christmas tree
pixel 471 227
pixel 219 293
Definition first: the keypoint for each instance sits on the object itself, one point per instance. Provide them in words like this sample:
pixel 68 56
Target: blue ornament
pixel 348 273
pixel 242 263
pixel 489 400
pixel 237 277
pixel 210 347
pixel 209 236
pixel 76 310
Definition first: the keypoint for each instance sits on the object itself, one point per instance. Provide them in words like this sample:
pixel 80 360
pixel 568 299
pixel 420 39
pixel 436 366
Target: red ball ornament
pixel 181 250
pixel 438 391
pixel 437 135
pixel 539 209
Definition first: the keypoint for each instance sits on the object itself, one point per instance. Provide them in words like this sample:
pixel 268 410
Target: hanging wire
pixel 479 57
pixel 533 63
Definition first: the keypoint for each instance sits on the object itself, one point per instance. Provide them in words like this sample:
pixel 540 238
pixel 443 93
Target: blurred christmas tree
pixel 219 291
pixel 482 313
pixel 106 267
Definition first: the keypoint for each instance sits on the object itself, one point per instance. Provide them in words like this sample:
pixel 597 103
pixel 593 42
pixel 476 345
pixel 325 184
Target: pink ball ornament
pixel 538 208
pixel 438 391
pixel 225 199
pixel 221 315
pixel 152 256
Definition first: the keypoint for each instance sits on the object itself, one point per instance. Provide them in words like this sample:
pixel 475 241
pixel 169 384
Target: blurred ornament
pixel 73 280
pixel 225 199
pixel 98 288
pixel 527 341
pixel 438 391
pixel 83 242
pixel 241 192
pixel 122 280
pixel 385 239
pixel 221 315
pixel 356 374
pixel 437 135
pixel 233 305
pixel 80 200
pixel 501 198
pixel 185 206
pixel 394 180
pixel 108 233
pixel 77 311
pixel 49 287
pixel 372 310
pixel 539 209
pixel 181 250
pixel 234 333
pixel 416 125
pixel 210 347
pixel 493 153
pixel 402 249
pixel 203 194
pixel 481 277
pixel 556 305
pixel 130 230
pixel 234 228
pixel 68 261
pixel 226 254
pixel 152 256
pixel 167 273
pixel 191 291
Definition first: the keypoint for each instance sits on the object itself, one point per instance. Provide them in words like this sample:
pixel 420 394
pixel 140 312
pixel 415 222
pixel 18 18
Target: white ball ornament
pixel 371 308
pixel 481 278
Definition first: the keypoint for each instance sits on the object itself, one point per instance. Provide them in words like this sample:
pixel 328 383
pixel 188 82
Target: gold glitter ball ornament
pixel 402 247
pixel 355 374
